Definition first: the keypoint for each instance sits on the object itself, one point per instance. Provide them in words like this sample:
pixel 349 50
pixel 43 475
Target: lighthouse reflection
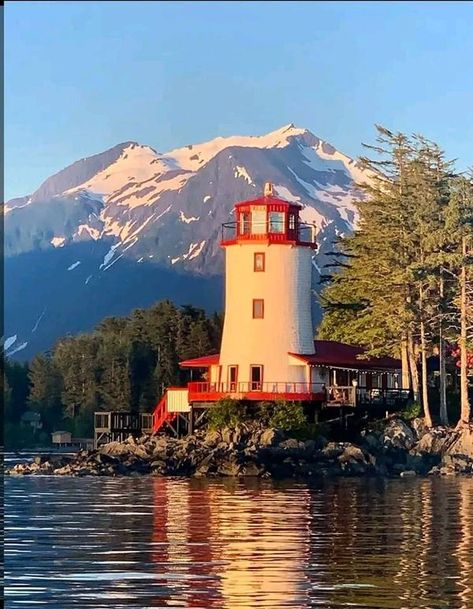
pixel 346 543
pixel 233 545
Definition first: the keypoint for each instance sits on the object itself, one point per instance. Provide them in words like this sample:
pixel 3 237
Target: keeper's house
pixel 268 351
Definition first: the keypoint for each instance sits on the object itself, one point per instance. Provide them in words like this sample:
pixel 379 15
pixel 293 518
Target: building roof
pixel 327 353
pixel 334 353
pixel 201 362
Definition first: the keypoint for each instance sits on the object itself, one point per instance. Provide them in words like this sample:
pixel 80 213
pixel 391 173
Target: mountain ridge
pixel 133 204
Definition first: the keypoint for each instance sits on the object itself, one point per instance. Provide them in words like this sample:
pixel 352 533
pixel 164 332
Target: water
pixel 152 542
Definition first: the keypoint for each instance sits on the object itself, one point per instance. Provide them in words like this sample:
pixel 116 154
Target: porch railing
pixel 252 386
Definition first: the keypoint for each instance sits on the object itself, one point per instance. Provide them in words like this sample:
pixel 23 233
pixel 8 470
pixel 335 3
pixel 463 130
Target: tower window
pixel 259 262
pixel 276 222
pixel 258 308
pixel 292 221
pixel 245 223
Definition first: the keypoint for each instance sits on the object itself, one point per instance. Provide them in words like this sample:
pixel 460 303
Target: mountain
pixel 121 229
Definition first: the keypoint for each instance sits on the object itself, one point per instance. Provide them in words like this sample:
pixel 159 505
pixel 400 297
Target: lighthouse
pixel 268 256
pixel 268 351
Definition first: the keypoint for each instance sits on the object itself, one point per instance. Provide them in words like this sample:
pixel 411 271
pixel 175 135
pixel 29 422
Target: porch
pixel 350 396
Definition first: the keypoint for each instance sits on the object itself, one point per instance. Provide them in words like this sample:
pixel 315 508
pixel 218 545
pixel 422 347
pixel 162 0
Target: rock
pixel 463 442
pixel 410 473
pixel 419 427
pixel 333 450
pixel 269 437
pixel 292 444
pixel 352 453
pixel 212 437
pixel 398 435
pixel 460 464
pixel 372 441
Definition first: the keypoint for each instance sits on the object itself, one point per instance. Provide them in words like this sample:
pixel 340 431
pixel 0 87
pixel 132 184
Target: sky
pixel 81 77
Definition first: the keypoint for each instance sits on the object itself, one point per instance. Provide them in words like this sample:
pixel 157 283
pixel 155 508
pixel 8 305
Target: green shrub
pixel 288 416
pixel 411 411
pixel 226 413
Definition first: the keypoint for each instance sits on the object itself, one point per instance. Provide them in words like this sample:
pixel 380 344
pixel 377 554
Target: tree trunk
pixel 442 369
pixel 443 383
pixel 413 368
pixel 405 377
pixel 425 384
pixel 464 399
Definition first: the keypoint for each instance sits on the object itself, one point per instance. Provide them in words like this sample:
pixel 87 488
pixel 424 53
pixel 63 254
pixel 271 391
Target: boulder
pixel 397 435
pixel 352 453
pixel 333 450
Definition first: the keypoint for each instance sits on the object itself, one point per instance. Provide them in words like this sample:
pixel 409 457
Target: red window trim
pixel 256 270
pixel 261 300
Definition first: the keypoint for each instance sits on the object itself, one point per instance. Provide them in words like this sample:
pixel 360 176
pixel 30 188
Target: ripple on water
pixel 151 542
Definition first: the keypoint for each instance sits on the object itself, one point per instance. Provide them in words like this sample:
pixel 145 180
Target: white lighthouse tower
pixel 268 252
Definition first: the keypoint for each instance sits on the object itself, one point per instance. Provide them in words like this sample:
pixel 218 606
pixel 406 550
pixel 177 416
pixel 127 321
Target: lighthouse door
pixel 232 377
pixel 256 378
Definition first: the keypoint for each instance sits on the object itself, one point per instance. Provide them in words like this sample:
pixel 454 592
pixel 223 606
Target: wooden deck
pixel 117 426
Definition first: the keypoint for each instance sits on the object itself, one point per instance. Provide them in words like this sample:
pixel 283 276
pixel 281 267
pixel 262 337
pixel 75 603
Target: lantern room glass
pixel 258 221
pixel 277 222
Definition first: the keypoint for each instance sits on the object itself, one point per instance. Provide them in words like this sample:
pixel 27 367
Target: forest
pixel 401 284
pixel 124 364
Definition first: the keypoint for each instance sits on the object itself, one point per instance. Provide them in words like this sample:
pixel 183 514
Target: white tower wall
pixel 285 287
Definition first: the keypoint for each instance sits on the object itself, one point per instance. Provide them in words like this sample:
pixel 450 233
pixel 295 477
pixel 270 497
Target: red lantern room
pixel 268 219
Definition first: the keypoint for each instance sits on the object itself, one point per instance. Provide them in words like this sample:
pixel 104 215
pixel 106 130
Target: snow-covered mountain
pixel 129 226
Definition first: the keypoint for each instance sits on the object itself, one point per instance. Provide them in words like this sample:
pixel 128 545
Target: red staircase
pixel 161 414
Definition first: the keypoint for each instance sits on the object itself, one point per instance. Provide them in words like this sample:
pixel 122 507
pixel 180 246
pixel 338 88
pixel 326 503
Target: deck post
pixel 190 428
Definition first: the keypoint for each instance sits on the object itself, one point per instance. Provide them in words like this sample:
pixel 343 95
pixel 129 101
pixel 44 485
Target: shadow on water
pixel 156 542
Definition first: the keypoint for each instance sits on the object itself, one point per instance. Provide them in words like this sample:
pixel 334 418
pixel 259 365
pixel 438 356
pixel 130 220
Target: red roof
pixel 327 353
pixel 201 362
pixel 268 201
pixel 333 353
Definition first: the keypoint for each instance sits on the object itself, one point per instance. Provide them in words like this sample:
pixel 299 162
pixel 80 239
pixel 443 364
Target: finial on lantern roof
pixel 268 189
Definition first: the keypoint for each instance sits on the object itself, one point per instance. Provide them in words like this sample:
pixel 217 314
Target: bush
pixel 226 413
pixel 411 411
pixel 288 416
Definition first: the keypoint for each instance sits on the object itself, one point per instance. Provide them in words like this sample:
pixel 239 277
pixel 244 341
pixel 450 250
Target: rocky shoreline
pixel 390 448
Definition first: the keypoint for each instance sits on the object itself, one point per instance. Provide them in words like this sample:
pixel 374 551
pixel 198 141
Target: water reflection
pixel 156 542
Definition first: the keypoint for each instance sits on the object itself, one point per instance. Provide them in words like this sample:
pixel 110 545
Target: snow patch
pixel 92 232
pixel 105 268
pixel 58 241
pixel 241 172
pixel 183 218
pixel 109 255
pixel 312 216
pixel 207 198
pixel 35 327
pixel 9 341
pixel 194 250
pixel 286 194
pixel 88 279
pixel 73 266
pixel 197 251
pixel 19 348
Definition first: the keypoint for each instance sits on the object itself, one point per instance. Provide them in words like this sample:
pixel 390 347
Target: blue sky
pixel 81 77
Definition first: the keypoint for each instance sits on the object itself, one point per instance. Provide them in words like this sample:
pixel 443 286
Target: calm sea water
pixel 88 542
